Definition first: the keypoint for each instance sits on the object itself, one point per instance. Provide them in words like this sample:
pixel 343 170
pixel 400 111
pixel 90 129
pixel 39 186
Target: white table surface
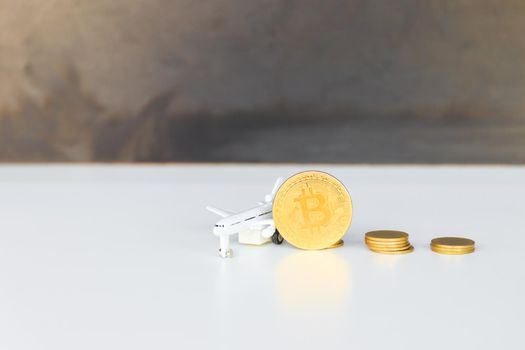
pixel 122 257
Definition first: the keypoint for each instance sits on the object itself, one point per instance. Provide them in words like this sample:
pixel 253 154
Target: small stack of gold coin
pixel 337 244
pixel 388 242
pixel 452 245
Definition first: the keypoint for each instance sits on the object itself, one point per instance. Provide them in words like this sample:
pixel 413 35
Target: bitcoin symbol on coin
pixel 313 206
pixel 312 210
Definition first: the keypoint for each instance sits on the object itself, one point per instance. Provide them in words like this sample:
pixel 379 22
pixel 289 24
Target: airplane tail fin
pixel 271 196
pixel 276 186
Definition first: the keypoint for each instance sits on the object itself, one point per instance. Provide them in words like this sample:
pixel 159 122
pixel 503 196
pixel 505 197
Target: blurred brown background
pixel 433 81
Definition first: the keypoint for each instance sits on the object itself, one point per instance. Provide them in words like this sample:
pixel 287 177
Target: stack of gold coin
pixel 338 244
pixel 312 210
pixel 452 245
pixel 388 242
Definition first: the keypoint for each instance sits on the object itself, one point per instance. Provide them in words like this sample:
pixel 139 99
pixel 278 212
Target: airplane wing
pixel 220 212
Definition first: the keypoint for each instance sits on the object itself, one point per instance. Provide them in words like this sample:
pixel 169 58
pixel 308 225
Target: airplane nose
pixel 216 231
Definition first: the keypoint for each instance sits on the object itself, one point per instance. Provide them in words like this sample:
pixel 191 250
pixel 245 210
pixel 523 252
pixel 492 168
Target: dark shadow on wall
pixel 355 140
pixel 70 125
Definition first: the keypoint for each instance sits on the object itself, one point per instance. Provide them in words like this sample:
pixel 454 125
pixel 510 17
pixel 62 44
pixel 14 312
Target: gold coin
pixel 312 210
pixel 386 244
pixel 379 247
pixel 452 251
pixel 386 235
pixel 338 244
pixel 453 248
pixel 405 251
pixel 452 242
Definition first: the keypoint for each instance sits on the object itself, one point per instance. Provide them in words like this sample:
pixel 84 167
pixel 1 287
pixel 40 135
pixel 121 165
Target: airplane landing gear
pixel 277 238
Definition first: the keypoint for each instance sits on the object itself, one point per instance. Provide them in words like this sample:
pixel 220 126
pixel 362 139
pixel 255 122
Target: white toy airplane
pixel 258 220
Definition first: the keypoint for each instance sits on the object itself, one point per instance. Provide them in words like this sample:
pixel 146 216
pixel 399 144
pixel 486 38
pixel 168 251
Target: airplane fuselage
pixel 245 220
pixel 254 226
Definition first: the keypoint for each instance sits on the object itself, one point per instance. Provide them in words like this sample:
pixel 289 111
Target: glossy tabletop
pixel 122 257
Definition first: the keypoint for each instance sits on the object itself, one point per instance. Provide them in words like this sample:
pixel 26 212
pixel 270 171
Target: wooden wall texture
pixel 431 81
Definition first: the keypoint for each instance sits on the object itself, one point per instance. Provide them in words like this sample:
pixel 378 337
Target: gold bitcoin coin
pixel 404 251
pixel 386 235
pixel 452 248
pixel 312 210
pixel 387 244
pixel 386 248
pixel 452 251
pixel 338 244
pixel 452 242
